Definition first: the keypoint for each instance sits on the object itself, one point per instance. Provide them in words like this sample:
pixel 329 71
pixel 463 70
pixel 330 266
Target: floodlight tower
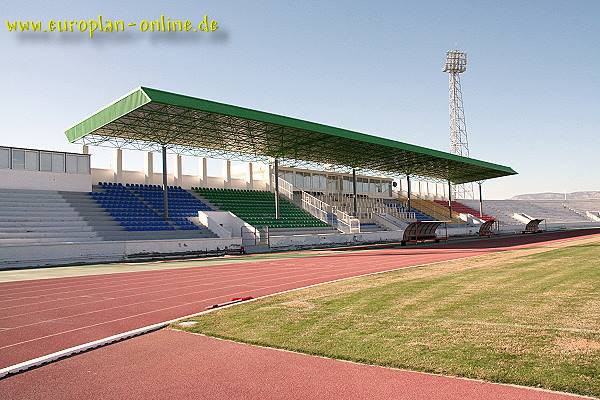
pixel 456 64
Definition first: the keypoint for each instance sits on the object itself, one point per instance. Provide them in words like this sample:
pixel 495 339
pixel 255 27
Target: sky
pixel 531 91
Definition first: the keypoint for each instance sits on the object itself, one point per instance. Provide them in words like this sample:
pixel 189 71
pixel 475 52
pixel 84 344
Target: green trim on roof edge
pixel 144 95
pixel 107 114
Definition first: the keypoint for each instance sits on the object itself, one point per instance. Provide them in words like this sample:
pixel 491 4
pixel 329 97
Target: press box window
pixel 71 164
pixel 18 159
pixel 4 158
pixel 46 162
pixel 83 165
pixel 32 162
pixel 58 162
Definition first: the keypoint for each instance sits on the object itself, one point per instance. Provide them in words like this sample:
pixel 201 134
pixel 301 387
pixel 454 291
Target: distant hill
pixel 590 195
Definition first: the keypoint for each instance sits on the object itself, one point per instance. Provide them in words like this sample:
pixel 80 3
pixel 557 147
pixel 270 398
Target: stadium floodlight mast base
pixel 456 64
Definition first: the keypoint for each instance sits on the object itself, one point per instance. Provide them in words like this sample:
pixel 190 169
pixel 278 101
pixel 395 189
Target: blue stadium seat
pixel 139 207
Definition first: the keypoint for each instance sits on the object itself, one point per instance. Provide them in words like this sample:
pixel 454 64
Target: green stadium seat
pixel 258 208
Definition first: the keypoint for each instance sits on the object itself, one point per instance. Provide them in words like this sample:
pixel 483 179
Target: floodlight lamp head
pixel 456 62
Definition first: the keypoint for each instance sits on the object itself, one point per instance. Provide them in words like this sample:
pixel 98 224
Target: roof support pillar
pixel 178 172
pixel 85 149
pixel 203 171
pixel 354 206
pixel 165 184
pixel 250 176
pixel 149 168
pixel 480 201
pixel 227 174
pixel 408 191
pixel 117 165
pixel 276 179
pixel 450 198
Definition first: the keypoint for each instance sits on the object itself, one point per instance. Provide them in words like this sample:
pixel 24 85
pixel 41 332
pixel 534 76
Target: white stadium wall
pixel 34 169
pixel 37 180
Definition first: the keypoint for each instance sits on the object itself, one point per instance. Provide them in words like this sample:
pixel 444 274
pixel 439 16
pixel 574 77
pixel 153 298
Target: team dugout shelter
pixel 154 120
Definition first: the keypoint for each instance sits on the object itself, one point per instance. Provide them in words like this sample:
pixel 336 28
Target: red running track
pixel 40 317
pixel 176 365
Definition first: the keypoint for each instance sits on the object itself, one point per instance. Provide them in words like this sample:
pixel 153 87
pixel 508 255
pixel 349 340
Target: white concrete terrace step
pixel 66 239
pixel 48 223
pixel 21 206
pixel 40 229
pixel 33 199
pixel 54 234
pixel 33 196
pixel 38 218
pixel 37 213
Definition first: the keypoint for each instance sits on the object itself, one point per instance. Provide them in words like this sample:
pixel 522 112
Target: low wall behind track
pixel 38 255
pixel 292 241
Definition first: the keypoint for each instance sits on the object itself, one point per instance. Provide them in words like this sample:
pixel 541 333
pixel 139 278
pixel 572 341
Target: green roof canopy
pixel 148 119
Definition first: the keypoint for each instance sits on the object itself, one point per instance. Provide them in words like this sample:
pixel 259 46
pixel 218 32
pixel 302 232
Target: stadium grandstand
pixel 302 184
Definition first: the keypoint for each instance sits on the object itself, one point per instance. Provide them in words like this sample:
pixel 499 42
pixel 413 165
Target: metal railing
pixel 347 223
pixel 344 222
pixel 428 207
pixel 286 188
pixel 315 207
pixel 389 222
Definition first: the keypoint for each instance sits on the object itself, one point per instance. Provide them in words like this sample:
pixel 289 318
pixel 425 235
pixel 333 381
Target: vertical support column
pixel 227 174
pixel 149 168
pixel 270 178
pixel 250 176
pixel 177 173
pixel 117 165
pixel 85 149
pixel 354 207
pixel 480 201
pixel 165 183
pixel 408 191
pixel 450 198
pixel 203 172
pixel 276 179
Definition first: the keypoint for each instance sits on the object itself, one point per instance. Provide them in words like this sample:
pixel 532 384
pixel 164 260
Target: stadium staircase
pixel 40 216
pixel 418 214
pixel 367 206
pixel 460 208
pixel 429 208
